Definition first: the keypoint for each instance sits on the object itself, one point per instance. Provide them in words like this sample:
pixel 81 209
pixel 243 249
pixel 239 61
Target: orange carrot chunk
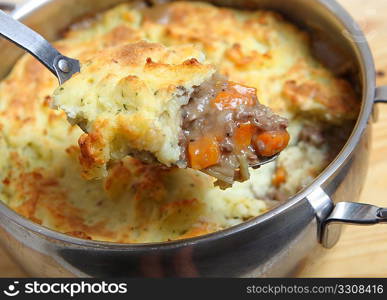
pixel 280 176
pixel 203 153
pixel 271 142
pixel 243 135
pixel 234 96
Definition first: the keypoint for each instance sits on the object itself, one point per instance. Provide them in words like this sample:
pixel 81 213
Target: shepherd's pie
pixel 41 176
pixel 165 105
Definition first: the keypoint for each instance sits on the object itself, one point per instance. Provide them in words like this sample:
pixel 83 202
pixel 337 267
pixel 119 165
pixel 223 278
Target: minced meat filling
pixel 226 129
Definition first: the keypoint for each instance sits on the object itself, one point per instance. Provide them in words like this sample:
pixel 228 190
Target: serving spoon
pixel 61 66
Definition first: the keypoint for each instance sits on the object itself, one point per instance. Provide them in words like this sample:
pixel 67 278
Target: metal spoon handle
pixel 61 66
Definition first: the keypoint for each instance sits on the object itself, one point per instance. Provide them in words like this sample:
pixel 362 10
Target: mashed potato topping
pixel 128 99
pixel 41 173
pixel 165 105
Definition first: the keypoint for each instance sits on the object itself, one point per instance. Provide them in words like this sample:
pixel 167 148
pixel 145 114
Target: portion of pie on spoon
pixel 167 106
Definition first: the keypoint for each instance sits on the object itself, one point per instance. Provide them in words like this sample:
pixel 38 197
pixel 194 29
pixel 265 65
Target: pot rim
pixel 366 62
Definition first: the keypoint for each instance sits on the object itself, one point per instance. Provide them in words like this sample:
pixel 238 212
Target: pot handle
pixel 352 212
pixel 381 95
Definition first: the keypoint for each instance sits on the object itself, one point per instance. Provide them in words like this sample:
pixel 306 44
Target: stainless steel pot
pixel 277 243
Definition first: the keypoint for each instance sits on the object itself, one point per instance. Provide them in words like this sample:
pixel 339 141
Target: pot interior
pixel 334 43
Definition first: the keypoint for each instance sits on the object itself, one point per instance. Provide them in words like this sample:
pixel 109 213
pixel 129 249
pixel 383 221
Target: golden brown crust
pixel 79 234
pixel 336 105
pixel 253 48
pixel 90 145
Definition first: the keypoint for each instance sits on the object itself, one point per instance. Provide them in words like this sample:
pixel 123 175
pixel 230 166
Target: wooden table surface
pixel 362 251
